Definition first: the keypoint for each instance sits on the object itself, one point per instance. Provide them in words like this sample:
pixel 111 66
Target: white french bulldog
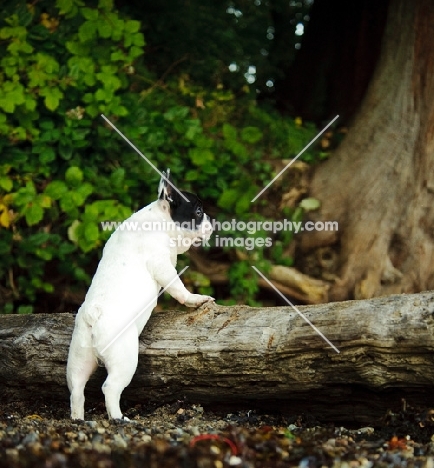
pixel 134 266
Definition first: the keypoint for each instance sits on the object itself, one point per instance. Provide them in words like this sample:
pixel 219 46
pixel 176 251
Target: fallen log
pixel 239 356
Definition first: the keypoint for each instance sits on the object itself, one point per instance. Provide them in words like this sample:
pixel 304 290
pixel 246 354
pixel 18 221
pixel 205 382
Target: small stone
pixel 364 430
pixel 100 430
pixel 101 448
pixel 97 439
pixel 119 441
pixel 12 453
pixel 91 423
pixel 180 411
pixel 29 438
pixel 55 445
pixel 214 450
pixel 235 461
pixel 58 459
pixel 146 438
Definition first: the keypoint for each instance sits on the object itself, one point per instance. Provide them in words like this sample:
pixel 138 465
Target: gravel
pixel 187 435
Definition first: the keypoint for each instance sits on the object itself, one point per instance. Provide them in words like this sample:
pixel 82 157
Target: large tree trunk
pixel 252 357
pixel 379 185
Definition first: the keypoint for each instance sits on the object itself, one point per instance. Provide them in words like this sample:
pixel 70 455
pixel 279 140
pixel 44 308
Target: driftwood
pixel 250 357
pixel 287 280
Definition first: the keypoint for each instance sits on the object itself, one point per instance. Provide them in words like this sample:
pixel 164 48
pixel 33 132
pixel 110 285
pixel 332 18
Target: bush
pixel 63 170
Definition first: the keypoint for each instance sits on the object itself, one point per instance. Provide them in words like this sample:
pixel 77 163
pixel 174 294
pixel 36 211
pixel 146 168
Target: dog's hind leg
pixel 120 360
pixel 81 365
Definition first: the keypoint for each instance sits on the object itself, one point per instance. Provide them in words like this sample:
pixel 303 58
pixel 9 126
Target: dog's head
pixel 186 209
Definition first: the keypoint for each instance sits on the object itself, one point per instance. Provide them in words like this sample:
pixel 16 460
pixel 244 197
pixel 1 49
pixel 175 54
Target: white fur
pixel 133 268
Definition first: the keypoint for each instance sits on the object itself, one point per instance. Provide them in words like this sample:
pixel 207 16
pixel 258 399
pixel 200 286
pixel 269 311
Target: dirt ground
pixel 186 435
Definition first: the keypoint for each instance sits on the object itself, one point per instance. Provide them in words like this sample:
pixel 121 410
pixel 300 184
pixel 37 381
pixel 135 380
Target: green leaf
pixel 43 200
pixel 103 95
pixel 52 97
pixel 202 141
pixel 34 213
pixel 139 40
pixel 238 149
pixel 47 155
pixel 91 211
pixel 104 28
pixel 194 128
pixel 251 134
pixel 6 33
pixel 7 105
pixel 117 177
pixel 87 31
pixel 201 156
pixel 78 198
pixel 78 48
pixel 8 308
pixel 84 190
pixel 38 238
pixel 89 13
pixel 66 151
pixel 11 94
pixel 132 26
pixel 243 204
pixel 72 231
pixel 6 184
pixel 25 309
pixel 135 52
pixel 91 232
pixel 73 175
pixel 229 132
pixel 118 29
pixel 44 254
pixel 228 198
pixel 191 175
pixel 105 4
pixel 309 204
pixel 68 205
pixel 46 124
pixel 64 6
pixel 56 189
pixel 89 79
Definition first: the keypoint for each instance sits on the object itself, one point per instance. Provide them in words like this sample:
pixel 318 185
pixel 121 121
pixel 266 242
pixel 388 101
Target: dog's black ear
pixel 165 190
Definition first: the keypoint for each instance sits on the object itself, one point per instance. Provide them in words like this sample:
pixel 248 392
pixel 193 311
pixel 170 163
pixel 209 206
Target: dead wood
pixel 252 357
pixel 287 280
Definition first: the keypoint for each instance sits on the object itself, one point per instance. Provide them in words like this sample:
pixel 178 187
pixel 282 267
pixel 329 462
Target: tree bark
pixel 379 185
pixel 236 357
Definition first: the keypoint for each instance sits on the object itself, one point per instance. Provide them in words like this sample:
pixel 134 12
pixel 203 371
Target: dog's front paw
pixel 196 300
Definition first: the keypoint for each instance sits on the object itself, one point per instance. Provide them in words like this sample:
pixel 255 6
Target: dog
pixel 135 265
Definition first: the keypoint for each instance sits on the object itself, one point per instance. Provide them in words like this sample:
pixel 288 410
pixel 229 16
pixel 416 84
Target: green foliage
pixel 63 170
pixel 61 66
